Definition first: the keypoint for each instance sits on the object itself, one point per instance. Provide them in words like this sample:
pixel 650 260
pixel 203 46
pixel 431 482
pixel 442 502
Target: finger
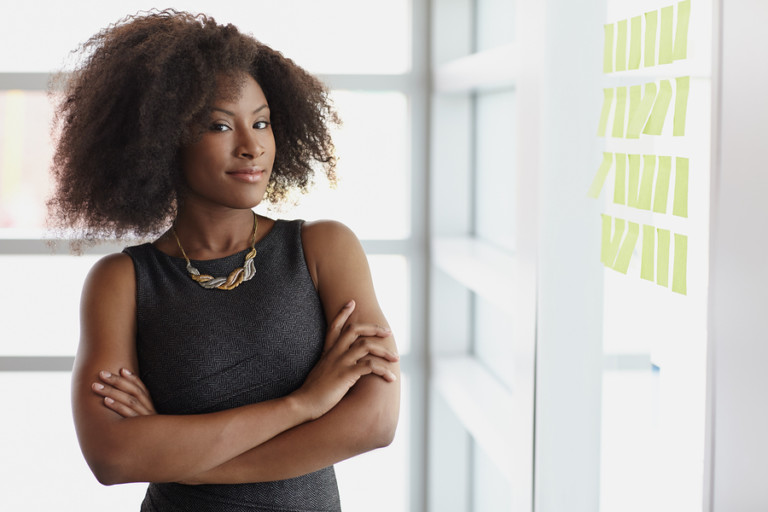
pixel 353 332
pixel 376 366
pixel 127 383
pixel 128 374
pixel 373 346
pixel 338 323
pixel 119 408
pixel 121 398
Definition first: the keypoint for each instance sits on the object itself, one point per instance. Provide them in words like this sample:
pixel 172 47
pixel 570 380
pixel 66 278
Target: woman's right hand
pixel 351 351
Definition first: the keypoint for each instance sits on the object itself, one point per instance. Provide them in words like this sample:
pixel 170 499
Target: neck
pixel 208 235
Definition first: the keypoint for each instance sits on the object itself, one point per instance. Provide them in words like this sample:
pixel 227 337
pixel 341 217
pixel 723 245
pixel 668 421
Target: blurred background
pixel 555 358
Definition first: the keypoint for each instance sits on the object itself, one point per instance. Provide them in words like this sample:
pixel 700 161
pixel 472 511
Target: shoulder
pixel 331 248
pixel 112 272
pixel 326 234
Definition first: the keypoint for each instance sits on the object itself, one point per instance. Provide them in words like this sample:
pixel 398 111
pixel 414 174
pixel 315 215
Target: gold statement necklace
pixel 235 277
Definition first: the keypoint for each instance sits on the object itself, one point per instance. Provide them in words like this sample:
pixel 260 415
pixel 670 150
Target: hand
pixel 124 393
pixel 351 351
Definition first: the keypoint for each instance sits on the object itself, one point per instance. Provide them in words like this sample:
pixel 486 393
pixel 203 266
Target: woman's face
pixel 231 164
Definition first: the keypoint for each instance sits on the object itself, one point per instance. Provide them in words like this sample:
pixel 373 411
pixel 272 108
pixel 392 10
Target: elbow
pixel 107 474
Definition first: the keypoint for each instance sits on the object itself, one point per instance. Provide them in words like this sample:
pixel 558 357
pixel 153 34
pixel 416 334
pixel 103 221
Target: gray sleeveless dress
pixel 207 350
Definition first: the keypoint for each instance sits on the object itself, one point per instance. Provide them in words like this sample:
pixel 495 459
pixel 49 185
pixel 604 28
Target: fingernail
pixel 105 374
pixel 349 304
pixel 108 400
pixel 97 385
pixel 126 371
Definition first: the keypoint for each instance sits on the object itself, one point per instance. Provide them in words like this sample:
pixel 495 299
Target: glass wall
pixel 364 53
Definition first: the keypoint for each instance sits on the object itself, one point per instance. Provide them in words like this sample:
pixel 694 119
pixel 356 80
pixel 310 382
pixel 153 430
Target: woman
pixel 234 349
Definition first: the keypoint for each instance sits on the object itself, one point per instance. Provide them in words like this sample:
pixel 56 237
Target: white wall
pixel 739 265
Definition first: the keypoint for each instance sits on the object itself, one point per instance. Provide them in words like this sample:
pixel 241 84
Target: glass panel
pixel 373 194
pixel 25 156
pixel 42 463
pixel 493 340
pixel 391 281
pixel 333 36
pixel 41 318
pixel 495 23
pixel 495 179
pixel 491 491
pixel 378 481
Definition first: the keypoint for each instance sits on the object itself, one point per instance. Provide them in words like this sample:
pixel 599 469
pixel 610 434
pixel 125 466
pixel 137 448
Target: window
pixel 377 94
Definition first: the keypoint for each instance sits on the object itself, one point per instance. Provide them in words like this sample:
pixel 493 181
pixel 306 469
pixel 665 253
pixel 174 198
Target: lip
pixel 247 174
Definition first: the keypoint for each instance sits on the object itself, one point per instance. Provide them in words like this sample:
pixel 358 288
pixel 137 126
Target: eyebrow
pixel 232 114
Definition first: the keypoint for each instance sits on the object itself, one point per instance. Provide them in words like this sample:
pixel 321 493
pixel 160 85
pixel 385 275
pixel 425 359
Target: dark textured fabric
pixel 207 350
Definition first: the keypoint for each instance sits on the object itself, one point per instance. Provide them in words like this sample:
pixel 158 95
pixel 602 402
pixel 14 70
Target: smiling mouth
pixel 247 175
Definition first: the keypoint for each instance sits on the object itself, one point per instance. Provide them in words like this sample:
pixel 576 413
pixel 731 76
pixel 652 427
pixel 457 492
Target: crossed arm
pixel 321 423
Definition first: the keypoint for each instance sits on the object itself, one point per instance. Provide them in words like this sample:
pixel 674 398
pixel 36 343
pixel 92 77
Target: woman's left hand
pixel 124 393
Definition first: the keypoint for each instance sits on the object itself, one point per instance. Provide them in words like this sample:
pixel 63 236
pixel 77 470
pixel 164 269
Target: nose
pixel 249 145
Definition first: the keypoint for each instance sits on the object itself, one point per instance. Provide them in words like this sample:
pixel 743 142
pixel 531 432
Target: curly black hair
pixel 144 90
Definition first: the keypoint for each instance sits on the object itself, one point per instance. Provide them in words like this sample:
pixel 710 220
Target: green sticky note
pixel 679 277
pixel 621 46
pixel 633 182
pixel 651 23
pixel 611 239
pixel 649 252
pixel 618 116
pixel 682 86
pixel 661 191
pixel 605 112
pixel 599 179
pixel 646 182
pixel 660 106
pixel 662 258
pixel 680 203
pixel 627 247
pixel 608 48
pixel 681 34
pixel 639 117
pixel 634 102
pixel 665 35
pixel 620 184
pixel 635 42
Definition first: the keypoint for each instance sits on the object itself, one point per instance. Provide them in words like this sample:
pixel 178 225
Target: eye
pixel 261 125
pixel 218 127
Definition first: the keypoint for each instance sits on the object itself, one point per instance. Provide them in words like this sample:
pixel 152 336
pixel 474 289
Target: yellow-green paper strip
pixel 634 103
pixel 651 23
pixel 662 258
pixel 679 274
pixel 621 46
pixel 681 34
pixel 660 106
pixel 620 184
pixel 599 179
pixel 661 192
pixel 607 101
pixel 608 48
pixel 665 35
pixel 634 42
pixel 646 182
pixel 627 247
pixel 639 117
pixel 649 252
pixel 618 115
pixel 680 204
pixel 682 84
pixel 609 246
pixel 633 181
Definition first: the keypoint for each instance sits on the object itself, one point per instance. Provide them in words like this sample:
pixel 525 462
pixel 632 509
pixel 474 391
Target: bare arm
pixel 366 418
pixel 172 448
